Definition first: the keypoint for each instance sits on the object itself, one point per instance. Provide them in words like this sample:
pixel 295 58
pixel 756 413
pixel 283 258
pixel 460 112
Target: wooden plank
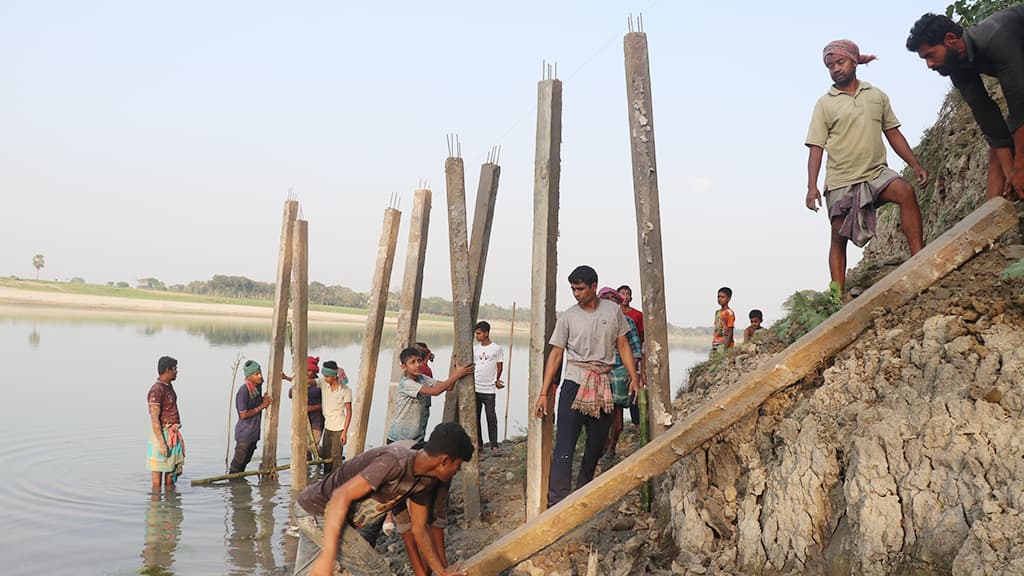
pixel 948 252
pixel 463 328
pixel 372 333
pixel 300 336
pixel 546 178
pixel 648 231
pixel 282 293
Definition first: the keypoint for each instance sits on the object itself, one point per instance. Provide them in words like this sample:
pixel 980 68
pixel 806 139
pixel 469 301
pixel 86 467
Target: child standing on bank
pixel 488 360
pixel 725 321
pixel 756 318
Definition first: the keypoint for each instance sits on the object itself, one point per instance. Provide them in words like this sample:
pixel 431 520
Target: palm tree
pixel 38 262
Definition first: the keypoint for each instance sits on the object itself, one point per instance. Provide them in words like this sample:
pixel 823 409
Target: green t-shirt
pixel 849 127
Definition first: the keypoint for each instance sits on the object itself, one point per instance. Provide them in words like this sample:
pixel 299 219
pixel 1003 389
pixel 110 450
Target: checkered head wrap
pixel 848 49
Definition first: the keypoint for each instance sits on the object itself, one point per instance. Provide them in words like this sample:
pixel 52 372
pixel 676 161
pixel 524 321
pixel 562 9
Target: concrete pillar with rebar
pixel 648 222
pixel 412 291
pixel 463 325
pixel 372 333
pixel 547 171
pixel 279 327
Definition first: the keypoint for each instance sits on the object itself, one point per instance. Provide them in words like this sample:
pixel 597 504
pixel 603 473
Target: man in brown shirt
pixel 166 448
pixel 362 490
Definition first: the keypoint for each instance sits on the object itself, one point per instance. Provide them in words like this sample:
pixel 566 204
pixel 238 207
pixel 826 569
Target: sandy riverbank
pixel 22 302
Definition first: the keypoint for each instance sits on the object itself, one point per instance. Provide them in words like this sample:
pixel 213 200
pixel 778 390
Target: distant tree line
pixel 321 294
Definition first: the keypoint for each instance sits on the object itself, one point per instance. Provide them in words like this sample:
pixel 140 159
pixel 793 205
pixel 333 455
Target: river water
pixel 76 496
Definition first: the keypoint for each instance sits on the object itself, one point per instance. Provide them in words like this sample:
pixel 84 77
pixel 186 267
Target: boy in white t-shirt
pixel 488 359
pixel 337 406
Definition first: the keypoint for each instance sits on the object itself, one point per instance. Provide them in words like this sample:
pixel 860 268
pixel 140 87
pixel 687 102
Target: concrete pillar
pixel 648 223
pixel 483 218
pixel 280 324
pixel 547 171
pixel 412 291
pixel 971 235
pixel 300 348
pixel 372 334
pixel 463 324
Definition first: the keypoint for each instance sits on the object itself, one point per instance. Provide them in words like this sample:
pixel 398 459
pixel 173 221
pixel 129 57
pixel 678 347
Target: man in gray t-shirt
pixel 587 335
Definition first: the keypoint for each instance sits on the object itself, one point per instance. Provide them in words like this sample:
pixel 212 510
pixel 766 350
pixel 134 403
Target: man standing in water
pixel 166 448
pixel 849 122
pixel 589 333
pixel 250 401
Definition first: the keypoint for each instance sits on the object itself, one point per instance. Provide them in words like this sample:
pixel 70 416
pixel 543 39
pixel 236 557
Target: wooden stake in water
pixel 231 408
pixel 508 373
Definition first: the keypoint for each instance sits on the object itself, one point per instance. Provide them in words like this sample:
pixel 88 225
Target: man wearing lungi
pixel 848 122
pixel 166 448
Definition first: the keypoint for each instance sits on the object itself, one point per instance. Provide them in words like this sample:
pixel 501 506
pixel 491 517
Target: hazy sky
pixel 161 138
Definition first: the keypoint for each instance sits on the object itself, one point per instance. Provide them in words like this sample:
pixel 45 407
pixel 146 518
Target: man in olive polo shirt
pixel 848 123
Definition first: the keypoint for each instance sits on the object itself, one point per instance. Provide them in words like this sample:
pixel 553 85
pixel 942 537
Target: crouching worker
pixel 360 491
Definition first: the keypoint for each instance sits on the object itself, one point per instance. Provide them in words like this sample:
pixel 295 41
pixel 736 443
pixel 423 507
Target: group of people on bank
pixel 600 338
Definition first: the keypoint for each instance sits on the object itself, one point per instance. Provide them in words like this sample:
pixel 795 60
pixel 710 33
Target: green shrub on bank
pixel 804 310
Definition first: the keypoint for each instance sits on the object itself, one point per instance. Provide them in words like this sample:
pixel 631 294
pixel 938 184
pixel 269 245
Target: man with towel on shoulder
pixel 848 123
pixel 250 401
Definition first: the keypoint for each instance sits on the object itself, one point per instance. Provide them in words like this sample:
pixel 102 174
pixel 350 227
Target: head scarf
pixel 611 293
pixel 848 49
pixel 251 367
pixel 312 364
pixel 339 372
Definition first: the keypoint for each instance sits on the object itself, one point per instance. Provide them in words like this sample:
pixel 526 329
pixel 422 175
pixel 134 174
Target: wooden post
pixel 483 218
pixel 300 332
pixel 948 252
pixel 463 325
pixel 280 324
pixel 546 175
pixel 648 231
pixel 371 335
pixel 508 362
pixel 412 291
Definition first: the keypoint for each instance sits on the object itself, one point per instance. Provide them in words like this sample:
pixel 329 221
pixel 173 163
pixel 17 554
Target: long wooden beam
pixel 948 252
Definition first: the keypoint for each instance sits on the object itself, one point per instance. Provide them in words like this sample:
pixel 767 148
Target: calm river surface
pixel 76 496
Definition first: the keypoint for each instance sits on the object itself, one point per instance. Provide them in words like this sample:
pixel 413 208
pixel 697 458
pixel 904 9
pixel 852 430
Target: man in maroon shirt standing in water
pixel 166 448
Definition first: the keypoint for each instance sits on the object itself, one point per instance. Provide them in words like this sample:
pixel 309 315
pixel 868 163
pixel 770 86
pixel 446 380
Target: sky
pixel 161 139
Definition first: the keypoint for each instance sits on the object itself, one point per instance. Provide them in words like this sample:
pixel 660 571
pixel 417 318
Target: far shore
pixel 40 303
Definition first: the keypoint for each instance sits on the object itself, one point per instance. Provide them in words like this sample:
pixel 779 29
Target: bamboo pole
pixel 508 373
pixel 243 474
pixel 231 409
pixel 948 252
pixel 300 381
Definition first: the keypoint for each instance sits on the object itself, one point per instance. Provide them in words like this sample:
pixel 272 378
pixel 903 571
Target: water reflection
pixel 250 528
pixel 163 530
pixel 33 337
